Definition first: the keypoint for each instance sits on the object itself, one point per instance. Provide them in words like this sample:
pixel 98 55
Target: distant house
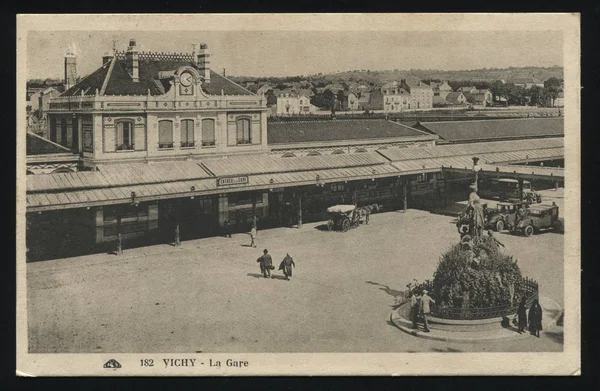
pixel 527 82
pixel 438 101
pixel 456 98
pixel 467 89
pixel 559 101
pixel 350 101
pixel 480 98
pixel 440 89
pixel 395 97
pixel 263 90
pixel 40 99
pixel 290 102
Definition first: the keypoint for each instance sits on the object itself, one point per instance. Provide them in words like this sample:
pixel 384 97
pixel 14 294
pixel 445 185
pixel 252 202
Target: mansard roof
pixel 117 80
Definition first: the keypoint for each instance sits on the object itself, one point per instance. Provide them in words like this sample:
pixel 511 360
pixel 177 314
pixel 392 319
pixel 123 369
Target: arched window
pixel 62 170
pixel 313 153
pixel 187 133
pixel 165 134
pixel 208 132
pixel 125 140
pixel 288 155
pixel 337 152
pixel 243 131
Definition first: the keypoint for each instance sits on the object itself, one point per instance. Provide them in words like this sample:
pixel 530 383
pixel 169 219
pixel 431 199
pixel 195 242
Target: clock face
pixel 186 79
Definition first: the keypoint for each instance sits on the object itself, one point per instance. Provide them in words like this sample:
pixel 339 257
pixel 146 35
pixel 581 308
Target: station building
pixel 194 152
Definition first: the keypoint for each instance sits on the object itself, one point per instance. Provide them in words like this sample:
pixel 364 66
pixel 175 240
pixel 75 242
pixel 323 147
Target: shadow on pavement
pixel 556 336
pixel 255 275
pixel 273 276
pixel 322 227
pixel 386 289
pixel 247 245
pixel 446 350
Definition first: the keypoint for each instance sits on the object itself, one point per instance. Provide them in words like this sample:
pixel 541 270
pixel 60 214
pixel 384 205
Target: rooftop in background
pixel 37 145
pixel 496 129
pixel 347 130
pixel 119 81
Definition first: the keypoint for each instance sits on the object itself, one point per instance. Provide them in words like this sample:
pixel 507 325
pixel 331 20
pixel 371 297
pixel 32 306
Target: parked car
pixel 538 217
pixel 507 189
pixel 504 215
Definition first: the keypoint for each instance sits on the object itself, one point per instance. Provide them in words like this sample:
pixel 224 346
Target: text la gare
pixel 228 363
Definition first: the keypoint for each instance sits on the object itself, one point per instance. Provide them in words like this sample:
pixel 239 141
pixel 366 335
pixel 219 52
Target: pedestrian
pixel 266 263
pixel 253 234
pixel 425 309
pixel 228 228
pixel 286 266
pixel 535 318
pixel 415 303
pixel 522 315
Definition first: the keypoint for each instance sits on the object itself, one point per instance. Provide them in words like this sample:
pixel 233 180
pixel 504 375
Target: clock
pixel 186 79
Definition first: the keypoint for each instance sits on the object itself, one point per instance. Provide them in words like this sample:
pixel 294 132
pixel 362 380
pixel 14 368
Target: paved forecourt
pixel 207 295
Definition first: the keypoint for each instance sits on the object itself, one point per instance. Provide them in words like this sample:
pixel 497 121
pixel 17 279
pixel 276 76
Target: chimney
pixel 70 70
pixel 204 62
pixel 132 61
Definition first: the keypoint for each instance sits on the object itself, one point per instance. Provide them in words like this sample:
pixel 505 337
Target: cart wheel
pixel 345 225
pixel 499 225
pixel 528 231
pixel 330 225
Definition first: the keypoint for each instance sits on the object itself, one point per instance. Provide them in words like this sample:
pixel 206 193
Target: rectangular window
pixel 165 134
pixel 187 133
pixel 63 132
pixel 243 131
pixel 75 135
pixel 53 129
pixel 208 132
pixel 124 136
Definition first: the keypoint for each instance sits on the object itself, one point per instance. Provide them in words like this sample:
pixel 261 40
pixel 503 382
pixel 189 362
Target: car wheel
pixel 528 231
pixel 499 225
pixel 558 226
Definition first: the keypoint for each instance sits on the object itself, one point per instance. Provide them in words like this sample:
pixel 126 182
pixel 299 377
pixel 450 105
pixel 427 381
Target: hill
pixel 382 76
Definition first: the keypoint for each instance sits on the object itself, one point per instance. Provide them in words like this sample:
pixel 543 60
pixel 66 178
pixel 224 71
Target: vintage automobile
pixel 506 189
pixel 537 218
pixel 503 216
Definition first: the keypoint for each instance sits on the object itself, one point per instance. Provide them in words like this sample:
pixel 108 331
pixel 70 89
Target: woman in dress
pixel 522 315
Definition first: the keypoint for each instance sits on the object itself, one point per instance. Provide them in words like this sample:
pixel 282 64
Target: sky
pixel 293 53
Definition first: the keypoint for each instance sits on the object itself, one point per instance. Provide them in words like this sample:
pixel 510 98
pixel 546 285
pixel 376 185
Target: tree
pixel 536 96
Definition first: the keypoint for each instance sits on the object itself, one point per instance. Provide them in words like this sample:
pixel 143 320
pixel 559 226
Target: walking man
pixel 415 302
pixel 228 228
pixel 266 263
pixel 426 300
pixel 253 234
pixel 286 266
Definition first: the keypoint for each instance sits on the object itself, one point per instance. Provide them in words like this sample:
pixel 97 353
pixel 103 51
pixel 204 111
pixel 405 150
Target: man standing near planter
pixel 425 309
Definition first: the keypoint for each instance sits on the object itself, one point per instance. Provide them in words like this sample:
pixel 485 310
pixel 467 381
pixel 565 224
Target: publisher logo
pixel 112 364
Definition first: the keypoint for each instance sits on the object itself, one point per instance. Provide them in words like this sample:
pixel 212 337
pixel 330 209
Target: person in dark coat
pixel 522 315
pixel 414 309
pixel 266 262
pixel 228 225
pixel 535 318
pixel 286 266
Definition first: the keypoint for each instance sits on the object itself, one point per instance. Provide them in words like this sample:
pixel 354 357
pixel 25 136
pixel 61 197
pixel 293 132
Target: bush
pixel 477 277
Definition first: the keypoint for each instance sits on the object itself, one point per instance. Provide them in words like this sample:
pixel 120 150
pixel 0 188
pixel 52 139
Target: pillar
pixel 555 185
pixel 446 188
pixel 300 210
pixel 405 198
pixel 254 209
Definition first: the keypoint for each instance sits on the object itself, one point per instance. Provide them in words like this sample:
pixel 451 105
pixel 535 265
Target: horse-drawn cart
pixel 344 217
